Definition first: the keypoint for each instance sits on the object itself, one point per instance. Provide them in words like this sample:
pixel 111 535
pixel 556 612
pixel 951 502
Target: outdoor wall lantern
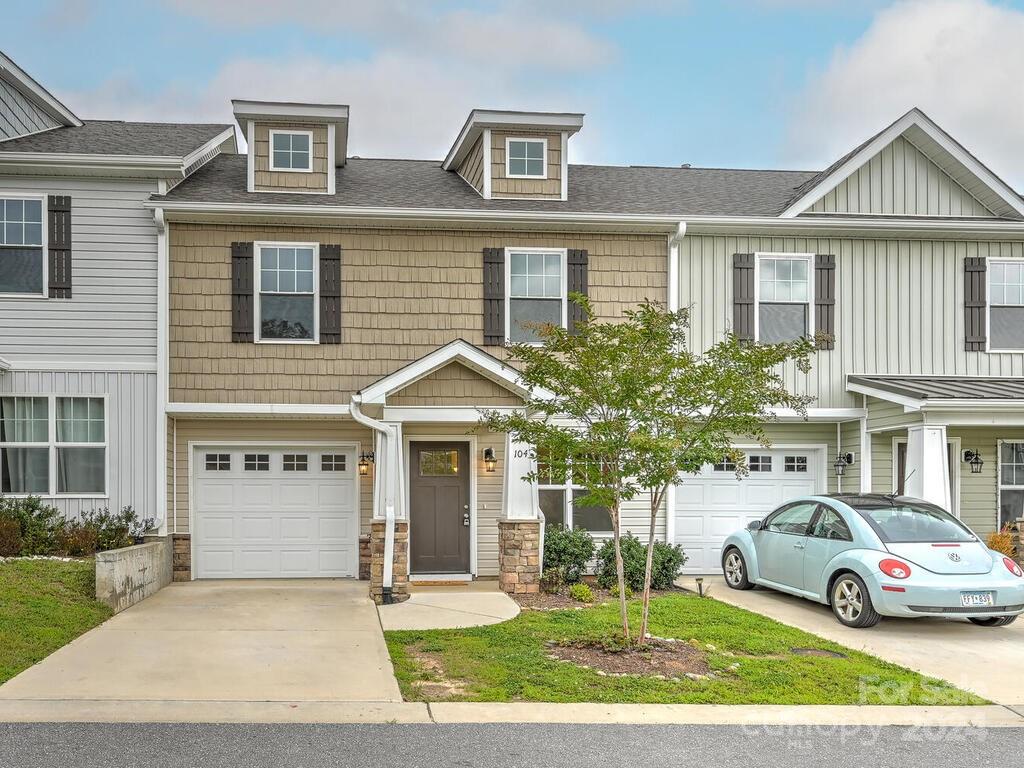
pixel 843 460
pixel 490 460
pixel 365 459
pixel 974 459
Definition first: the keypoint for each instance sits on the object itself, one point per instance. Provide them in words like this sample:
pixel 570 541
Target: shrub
pixel 1002 541
pixel 10 537
pixel 551 581
pixel 614 591
pixel 29 527
pixel 668 563
pixel 102 529
pixel 567 551
pixel 581 593
pixel 39 524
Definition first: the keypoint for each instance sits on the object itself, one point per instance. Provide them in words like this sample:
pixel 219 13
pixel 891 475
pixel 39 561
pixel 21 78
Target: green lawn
pixel 44 604
pixel 509 662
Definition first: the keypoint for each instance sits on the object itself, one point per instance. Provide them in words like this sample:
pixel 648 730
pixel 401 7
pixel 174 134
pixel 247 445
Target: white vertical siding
pixel 131 431
pixel 19 116
pixel 111 318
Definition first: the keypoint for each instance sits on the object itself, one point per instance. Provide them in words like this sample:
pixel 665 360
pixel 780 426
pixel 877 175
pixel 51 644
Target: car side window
pixel 831 526
pixel 794 519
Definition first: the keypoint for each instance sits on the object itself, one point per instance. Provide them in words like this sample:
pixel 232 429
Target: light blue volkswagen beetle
pixel 869 556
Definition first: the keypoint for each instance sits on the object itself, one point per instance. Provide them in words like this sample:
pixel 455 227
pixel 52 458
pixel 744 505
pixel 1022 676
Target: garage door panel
pixel 218 494
pixel 334 562
pixel 336 529
pixel 762 494
pixel 256 494
pixel 296 495
pixel 296 528
pixel 723 494
pixel 298 562
pixel 214 528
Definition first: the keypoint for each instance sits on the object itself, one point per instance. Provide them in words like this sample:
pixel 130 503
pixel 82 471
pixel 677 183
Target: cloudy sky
pixel 733 83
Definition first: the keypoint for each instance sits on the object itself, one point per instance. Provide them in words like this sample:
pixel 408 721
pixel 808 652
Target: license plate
pixel 977 599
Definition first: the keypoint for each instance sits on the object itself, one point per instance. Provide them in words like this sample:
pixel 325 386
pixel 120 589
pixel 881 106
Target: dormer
pixel 293 147
pixel 515 155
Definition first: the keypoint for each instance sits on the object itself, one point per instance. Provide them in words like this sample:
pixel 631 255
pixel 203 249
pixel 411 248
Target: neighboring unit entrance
pixel 275 512
pixel 714 504
pixel 439 513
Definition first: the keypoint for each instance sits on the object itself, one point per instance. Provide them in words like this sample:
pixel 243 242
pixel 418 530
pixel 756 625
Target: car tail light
pixel 895 568
pixel 1012 567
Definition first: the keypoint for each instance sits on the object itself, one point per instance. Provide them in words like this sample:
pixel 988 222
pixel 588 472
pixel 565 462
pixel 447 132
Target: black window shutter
pixel 494 296
pixel 975 275
pixel 825 299
pixel 241 292
pixel 330 294
pixel 743 296
pixel 59 246
pixel 577 271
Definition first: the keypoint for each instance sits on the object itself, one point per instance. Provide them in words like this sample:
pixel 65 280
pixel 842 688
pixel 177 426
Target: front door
pixel 439 514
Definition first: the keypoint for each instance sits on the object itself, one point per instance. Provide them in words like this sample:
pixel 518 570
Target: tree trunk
pixel 620 572
pixel 655 503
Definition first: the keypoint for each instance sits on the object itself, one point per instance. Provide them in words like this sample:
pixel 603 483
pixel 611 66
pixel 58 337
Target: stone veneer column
pixel 519 556
pixel 400 568
pixel 181 558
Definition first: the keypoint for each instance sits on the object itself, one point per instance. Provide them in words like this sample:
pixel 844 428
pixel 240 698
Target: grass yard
pixel 509 662
pixel 44 604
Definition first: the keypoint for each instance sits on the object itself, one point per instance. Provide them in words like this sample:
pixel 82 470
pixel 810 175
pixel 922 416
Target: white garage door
pixel 714 504
pixel 275 512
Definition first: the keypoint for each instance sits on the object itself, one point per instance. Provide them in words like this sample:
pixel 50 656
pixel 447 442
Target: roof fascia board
pixel 906 401
pixel 913 118
pixel 288 110
pixel 25 83
pixel 486 118
pixel 228 134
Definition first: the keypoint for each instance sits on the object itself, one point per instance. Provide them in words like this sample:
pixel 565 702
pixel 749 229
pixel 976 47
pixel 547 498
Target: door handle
pixel 465 518
pixel 800 545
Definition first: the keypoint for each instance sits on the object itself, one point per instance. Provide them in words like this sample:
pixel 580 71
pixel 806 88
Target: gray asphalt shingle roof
pixel 115 137
pixel 946 387
pixel 592 189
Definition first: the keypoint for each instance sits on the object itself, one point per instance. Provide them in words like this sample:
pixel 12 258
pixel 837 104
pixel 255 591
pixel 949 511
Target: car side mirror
pixel 754 525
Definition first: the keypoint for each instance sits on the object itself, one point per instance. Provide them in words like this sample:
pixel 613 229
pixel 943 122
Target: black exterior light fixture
pixel 490 460
pixel 843 460
pixel 365 459
pixel 974 459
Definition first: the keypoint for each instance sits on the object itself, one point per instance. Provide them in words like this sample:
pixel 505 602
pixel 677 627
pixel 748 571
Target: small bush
pixel 39 524
pixel 567 551
pixel 667 564
pixel 551 581
pixel 30 527
pixel 101 530
pixel 581 593
pixel 1002 541
pixel 614 591
pixel 77 541
pixel 10 537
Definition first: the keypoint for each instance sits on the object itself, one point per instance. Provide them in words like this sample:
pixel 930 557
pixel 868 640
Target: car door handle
pixel 800 545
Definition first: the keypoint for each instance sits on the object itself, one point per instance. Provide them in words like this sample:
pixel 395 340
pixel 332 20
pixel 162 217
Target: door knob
pixel 465 506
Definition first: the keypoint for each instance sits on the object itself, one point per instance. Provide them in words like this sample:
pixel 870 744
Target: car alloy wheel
pixel 849 600
pixel 734 569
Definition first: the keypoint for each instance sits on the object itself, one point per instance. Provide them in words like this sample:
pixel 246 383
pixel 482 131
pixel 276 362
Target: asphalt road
pixel 75 745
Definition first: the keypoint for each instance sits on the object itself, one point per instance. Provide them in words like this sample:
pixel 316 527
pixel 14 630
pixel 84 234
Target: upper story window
pixel 784 297
pixel 526 158
pixel 536 286
pixel 1006 304
pixel 291 151
pixel 287 297
pixel 22 266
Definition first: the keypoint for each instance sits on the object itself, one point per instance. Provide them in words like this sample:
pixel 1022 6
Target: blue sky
pixel 734 83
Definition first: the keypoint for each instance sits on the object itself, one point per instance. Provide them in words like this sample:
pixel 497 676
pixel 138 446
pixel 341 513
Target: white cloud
pixel 958 60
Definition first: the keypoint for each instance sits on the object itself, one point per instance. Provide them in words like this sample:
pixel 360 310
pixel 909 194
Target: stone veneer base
pixel 519 556
pixel 400 565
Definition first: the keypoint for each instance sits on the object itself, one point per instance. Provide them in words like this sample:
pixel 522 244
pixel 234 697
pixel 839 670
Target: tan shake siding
pixel 265 179
pixel 472 167
pixel 454 384
pixel 404 293
pixel 267 432
pixel 501 186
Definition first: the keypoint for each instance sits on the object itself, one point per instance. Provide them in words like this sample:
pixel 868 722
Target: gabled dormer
pixel 293 147
pixel 515 155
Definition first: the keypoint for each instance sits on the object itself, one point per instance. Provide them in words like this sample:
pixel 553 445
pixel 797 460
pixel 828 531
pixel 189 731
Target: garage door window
pixel 558 501
pixel 795 464
pixel 759 463
pixel 218 462
pixel 257 462
pixel 725 465
pixel 296 462
pixel 332 462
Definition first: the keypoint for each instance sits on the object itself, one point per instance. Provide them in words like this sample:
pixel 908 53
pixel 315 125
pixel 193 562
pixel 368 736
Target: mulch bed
pixel 663 659
pixel 560 600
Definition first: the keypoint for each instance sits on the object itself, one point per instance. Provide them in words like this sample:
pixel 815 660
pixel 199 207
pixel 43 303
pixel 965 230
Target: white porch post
pixel 927 471
pixel 521 499
pixel 865 456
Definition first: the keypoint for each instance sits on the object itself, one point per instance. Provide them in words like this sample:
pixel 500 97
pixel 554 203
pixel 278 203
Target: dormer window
pixel 291 151
pixel 526 158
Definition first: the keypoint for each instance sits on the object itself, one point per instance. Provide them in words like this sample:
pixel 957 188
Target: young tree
pixel 624 408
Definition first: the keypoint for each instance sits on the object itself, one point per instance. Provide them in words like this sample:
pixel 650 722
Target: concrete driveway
pixel 987 661
pixel 233 641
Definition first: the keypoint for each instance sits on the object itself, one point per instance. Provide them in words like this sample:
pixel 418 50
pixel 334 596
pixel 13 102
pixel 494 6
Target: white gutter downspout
pixel 387 463
pixel 162 360
pixel 673 305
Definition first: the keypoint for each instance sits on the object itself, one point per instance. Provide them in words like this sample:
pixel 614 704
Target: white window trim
pixel 809 258
pixel 257 291
pixel 564 254
pixel 544 156
pixel 568 487
pixel 989 261
pixel 14 194
pixel 52 445
pixel 999 474
pixel 282 132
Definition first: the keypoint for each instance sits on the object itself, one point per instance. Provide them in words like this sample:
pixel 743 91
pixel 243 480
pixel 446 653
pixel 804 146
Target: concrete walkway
pixel 450 607
pixel 986 661
pixel 224 641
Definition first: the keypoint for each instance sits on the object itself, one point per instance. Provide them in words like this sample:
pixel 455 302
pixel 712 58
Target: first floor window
pixel 21 246
pixel 1011 482
pixel 559 501
pixel 287 295
pixel 1006 304
pixel 536 293
pixel 53 445
pixel 783 298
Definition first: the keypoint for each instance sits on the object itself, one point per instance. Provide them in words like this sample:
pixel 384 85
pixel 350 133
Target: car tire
pixel 851 602
pixel 734 568
pixel 993 621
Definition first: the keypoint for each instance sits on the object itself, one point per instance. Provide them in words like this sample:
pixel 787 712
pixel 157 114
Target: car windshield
pixel 904 522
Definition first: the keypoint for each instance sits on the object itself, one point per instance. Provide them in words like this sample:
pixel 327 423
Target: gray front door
pixel 439 512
